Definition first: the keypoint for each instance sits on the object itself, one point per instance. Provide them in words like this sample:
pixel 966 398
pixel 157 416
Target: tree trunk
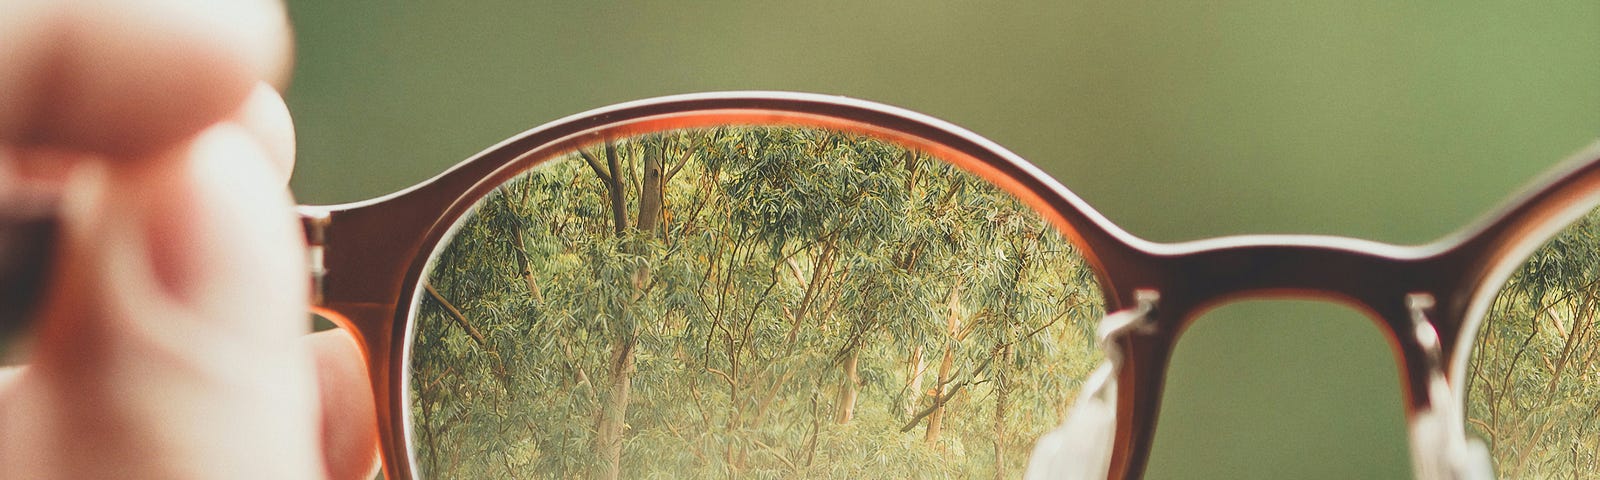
pixel 953 324
pixel 1002 391
pixel 618 196
pixel 613 418
pixel 847 389
pixel 651 195
pixel 610 426
pixel 1574 337
pixel 820 271
pixel 936 419
pixel 613 415
pixel 915 364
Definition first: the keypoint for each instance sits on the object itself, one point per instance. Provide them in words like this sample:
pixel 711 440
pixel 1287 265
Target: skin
pixel 172 341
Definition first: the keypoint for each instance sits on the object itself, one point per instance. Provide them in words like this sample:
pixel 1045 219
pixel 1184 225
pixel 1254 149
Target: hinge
pixel 315 221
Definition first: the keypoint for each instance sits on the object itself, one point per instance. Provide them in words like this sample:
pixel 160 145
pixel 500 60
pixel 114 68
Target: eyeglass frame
pixel 360 285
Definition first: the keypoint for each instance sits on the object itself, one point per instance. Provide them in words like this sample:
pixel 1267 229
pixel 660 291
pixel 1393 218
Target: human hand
pixel 170 342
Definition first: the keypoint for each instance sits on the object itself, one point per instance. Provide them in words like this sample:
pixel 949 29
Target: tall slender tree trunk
pixel 614 413
pixel 614 407
pixel 1008 336
pixel 1002 391
pixel 618 195
pixel 915 364
pixel 608 438
pixel 1574 337
pixel 946 365
pixel 847 389
pixel 936 419
pixel 651 194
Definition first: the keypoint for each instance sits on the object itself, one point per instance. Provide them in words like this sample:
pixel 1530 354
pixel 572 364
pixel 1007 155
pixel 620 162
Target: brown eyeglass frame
pixel 368 257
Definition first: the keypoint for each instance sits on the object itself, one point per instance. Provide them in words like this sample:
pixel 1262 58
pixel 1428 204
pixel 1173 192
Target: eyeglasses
pixel 776 284
pixel 791 285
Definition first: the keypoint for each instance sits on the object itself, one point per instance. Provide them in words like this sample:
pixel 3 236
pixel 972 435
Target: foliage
pixel 1533 390
pixel 747 302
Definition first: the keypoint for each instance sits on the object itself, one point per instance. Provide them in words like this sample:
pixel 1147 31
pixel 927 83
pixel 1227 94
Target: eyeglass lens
pixel 784 302
pixel 1533 381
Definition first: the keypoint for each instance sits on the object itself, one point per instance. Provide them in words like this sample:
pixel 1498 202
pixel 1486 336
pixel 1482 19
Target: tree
pixel 747 302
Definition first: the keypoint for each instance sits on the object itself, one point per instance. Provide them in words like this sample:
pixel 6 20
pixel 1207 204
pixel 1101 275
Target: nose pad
pixel 1080 448
pixel 1440 449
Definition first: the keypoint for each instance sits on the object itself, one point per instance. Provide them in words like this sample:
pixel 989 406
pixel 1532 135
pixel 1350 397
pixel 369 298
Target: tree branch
pixel 939 401
pixel 673 172
pixel 461 320
pixel 594 164
pixel 724 375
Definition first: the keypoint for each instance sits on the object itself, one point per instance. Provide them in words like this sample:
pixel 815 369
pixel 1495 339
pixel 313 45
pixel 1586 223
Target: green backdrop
pixel 1392 121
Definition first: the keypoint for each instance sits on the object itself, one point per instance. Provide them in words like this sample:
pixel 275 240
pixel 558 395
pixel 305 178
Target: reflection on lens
pixel 1533 386
pixel 747 302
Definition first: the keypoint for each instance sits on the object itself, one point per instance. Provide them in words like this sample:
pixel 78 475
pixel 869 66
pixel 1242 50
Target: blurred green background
pixel 1392 121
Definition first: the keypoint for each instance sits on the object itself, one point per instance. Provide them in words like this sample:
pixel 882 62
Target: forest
pixel 1533 381
pixel 747 302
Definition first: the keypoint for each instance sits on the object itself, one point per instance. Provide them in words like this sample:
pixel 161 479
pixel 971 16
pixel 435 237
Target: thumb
pixel 172 329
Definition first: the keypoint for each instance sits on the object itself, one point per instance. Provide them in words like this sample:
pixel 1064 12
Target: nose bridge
pixel 1372 278
pixel 1192 278
pixel 1317 268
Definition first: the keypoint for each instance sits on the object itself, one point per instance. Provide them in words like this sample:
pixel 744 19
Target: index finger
pixel 124 78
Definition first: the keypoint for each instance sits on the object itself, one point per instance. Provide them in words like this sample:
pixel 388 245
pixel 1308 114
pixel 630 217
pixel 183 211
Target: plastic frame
pixel 368 256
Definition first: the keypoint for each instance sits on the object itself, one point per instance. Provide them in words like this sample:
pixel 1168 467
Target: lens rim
pixel 1505 238
pixel 519 174
pixel 1557 222
pixel 428 211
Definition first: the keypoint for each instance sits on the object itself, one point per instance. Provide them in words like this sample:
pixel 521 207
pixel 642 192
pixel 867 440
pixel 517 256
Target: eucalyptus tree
pixel 747 302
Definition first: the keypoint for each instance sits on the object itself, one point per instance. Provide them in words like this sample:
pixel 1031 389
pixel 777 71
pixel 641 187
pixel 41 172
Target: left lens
pixel 747 302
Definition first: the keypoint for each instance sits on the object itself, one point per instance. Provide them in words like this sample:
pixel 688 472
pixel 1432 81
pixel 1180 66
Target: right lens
pixel 1533 386
pixel 747 302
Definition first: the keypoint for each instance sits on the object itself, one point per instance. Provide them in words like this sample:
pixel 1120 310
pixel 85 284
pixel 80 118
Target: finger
pixel 36 167
pixel 128 76
pixel 349 418
pixel 172 330
pixel 266 118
